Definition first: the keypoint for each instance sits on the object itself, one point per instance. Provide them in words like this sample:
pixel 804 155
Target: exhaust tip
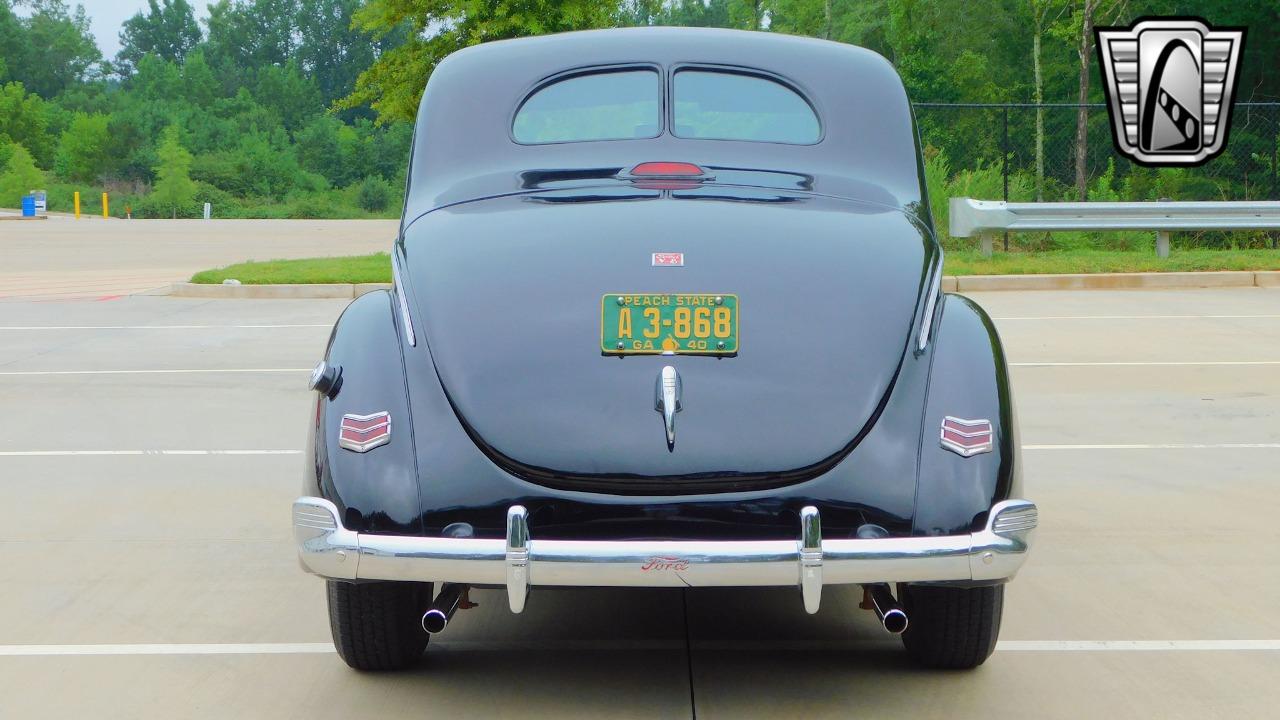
pixel 434 620
pixel 895 621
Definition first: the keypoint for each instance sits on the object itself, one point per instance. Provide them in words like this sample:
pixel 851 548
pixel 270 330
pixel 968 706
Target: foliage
pixel 393 84
pixel 167 30
pixel 174 190
pixel 84 148
pixel 374 194
pixel 20 176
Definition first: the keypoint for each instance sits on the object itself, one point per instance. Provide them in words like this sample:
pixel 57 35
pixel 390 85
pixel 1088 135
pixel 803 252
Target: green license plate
pixel 682 323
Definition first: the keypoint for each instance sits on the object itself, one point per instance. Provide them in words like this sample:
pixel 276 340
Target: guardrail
pixel 971 217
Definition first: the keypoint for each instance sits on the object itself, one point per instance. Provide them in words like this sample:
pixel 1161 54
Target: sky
pixel 109 15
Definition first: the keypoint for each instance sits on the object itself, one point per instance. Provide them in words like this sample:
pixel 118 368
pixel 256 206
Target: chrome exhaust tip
pixel 888 610
pixel 441 611
pixel 894 621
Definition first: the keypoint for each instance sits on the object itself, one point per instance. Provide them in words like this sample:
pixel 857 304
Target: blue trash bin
pixel 28 206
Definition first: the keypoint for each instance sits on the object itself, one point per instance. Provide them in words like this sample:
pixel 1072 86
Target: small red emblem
pixel 668 259
pixel 658 563
pixel 362 433
pixel 966 437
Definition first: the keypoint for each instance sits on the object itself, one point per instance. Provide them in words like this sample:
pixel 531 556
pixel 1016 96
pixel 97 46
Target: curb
pixel 345 291
pixel 950 283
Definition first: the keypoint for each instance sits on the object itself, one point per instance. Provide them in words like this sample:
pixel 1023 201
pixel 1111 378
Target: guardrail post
pixel 1162 243
pixel 986 244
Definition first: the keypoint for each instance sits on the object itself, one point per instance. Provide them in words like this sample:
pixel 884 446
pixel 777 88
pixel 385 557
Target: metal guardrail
pixel 971 217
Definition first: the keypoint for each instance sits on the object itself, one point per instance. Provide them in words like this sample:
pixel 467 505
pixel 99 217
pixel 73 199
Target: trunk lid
pixel 508 293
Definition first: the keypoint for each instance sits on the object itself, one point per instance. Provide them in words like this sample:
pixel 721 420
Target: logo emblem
pixel 667 392
pixel 668 259
pixel 362 433
pixel 1170 84
pixel 966 437
pixel 660 563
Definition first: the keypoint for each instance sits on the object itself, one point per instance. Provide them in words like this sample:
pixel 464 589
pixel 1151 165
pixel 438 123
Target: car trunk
pixel 508 295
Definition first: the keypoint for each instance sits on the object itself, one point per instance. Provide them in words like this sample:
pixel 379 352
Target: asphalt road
pixel 91 258
pixel 149 571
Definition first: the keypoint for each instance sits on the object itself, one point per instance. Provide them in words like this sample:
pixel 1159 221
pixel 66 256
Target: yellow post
pixel 104 206
pixel 77 204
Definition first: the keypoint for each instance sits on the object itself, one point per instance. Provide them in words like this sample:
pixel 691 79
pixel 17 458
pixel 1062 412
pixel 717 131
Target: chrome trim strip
pixel 992 554
pixel 926 323
pixel 400 297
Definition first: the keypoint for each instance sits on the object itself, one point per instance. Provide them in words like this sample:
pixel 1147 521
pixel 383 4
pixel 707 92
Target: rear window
pixel 616 105
pixel 733 106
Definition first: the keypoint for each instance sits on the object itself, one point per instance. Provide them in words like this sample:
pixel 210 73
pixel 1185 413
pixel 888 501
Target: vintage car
pixel 666 313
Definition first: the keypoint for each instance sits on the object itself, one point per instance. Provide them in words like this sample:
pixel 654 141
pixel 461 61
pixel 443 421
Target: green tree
pixel 84 149
pixel 20 176
pixel 168 30
pixel 24 119
pixel 57 51
pixel 394 83
pixel 174 191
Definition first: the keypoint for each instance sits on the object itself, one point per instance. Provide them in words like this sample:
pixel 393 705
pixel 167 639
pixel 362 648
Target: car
pixel 666 312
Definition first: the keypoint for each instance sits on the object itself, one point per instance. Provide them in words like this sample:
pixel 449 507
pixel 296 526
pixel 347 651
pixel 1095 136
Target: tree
pixel 394 83
pixel 58 50
pixel 24 120
pixel 168 30
pixel 84 149
pixel 331 51
pixel 174 190
pixel 1043 13
pixel 20 176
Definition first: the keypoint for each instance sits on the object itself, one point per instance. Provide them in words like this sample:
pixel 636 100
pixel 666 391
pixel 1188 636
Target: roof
pixel 463 149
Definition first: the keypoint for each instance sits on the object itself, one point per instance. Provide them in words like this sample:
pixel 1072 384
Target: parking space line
pixel 1033 447
pixel 96 453
pixel 17 328
pixel 14 373
pixel 194 371
pixel 1159 446
pixel 1136 317
pixel 1144 363
pixel 325 648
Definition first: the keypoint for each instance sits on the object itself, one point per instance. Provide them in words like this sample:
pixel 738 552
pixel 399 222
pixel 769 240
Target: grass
pixel 374 268
pixel 377 268
pixel 971 262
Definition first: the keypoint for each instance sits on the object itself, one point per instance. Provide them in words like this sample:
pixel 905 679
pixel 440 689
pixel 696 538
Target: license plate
pixel 680 323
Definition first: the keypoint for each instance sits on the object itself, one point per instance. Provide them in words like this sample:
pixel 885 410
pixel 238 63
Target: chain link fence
pixel 989 151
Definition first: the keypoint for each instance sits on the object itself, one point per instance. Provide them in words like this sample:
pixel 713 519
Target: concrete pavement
pixel 93 258
pixel 1151 422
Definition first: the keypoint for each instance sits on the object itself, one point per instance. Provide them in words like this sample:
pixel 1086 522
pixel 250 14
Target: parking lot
pixel 150 447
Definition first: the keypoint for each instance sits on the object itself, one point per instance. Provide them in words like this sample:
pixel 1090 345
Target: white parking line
pixel 94 453
pixel 1144 363
pixel 324 648
pixel 1159 446
pixel 1120 446
pixel 157 327
pixel 1137 317
pixel 153 372
pixel 196 371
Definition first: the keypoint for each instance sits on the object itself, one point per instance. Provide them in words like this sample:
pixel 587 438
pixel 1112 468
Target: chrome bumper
pixel 995 553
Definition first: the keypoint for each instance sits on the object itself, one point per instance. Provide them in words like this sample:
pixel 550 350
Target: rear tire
pixel 377 626
pixel 951 627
